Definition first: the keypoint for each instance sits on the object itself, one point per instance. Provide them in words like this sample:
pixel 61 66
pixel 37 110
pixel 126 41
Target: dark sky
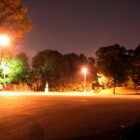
pixel 81 26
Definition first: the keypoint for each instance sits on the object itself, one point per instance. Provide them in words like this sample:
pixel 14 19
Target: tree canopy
pixel 12 69
pixel 52 66
pixel 118 63
pixel 13 19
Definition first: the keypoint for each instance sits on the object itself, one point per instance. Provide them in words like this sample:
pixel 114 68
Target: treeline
pixel 119 65
pixel 56 68
pixel 113 66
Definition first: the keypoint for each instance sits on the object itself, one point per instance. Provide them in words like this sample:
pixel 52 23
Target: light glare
pixel 4 40
pixel 84 70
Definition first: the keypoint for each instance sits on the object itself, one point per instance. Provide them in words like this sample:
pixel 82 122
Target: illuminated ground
pixel 48 117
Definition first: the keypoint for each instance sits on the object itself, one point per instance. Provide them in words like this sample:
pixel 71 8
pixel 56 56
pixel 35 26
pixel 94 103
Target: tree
pixel 25 76
pixel 49 66
pixel 12 70
pixel 54 67
pixel 22 56
pixel 16 69
pixel 13 20
pixel 112 61
pixel 76 62
pixel 72 64
pixel 137 55
pixel 92 68
pixel 136 66
pixel 4 70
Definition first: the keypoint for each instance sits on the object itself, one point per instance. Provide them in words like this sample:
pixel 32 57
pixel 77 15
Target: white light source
pixel 4 40
pixel 84 71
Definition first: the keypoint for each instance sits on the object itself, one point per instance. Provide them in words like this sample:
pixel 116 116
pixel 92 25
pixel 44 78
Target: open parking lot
pixel 51 117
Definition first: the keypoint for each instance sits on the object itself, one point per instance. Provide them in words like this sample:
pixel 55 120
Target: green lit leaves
pixel 11 69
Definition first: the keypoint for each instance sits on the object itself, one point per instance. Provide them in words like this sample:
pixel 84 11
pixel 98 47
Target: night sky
pixel 81 26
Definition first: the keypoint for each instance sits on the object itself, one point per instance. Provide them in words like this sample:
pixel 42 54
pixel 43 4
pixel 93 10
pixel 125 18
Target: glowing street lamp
pixel 84 71
pixel 4 41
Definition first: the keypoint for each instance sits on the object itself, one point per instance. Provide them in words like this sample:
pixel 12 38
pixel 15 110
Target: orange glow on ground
pixel 47 93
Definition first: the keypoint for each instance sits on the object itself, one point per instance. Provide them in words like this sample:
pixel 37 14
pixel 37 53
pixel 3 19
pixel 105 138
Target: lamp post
pixel 84 71
pixel 4 41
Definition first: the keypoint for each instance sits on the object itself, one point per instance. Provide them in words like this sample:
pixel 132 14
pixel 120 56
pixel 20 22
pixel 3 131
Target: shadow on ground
pixel 130 133
pixel 36 132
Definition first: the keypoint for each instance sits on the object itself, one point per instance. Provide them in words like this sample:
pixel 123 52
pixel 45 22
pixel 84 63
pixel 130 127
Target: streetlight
pixel 4 41
pixel 84 71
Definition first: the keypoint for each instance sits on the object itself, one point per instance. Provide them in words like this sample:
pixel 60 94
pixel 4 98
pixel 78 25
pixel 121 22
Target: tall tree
pixel 112 61
pixel 49 65
pixel 76 62
pixel 52 66
pixel 72 60
pixel 25 76
pixel 11 69
pixel 13 20
pixel 136 66
pixel 22 56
